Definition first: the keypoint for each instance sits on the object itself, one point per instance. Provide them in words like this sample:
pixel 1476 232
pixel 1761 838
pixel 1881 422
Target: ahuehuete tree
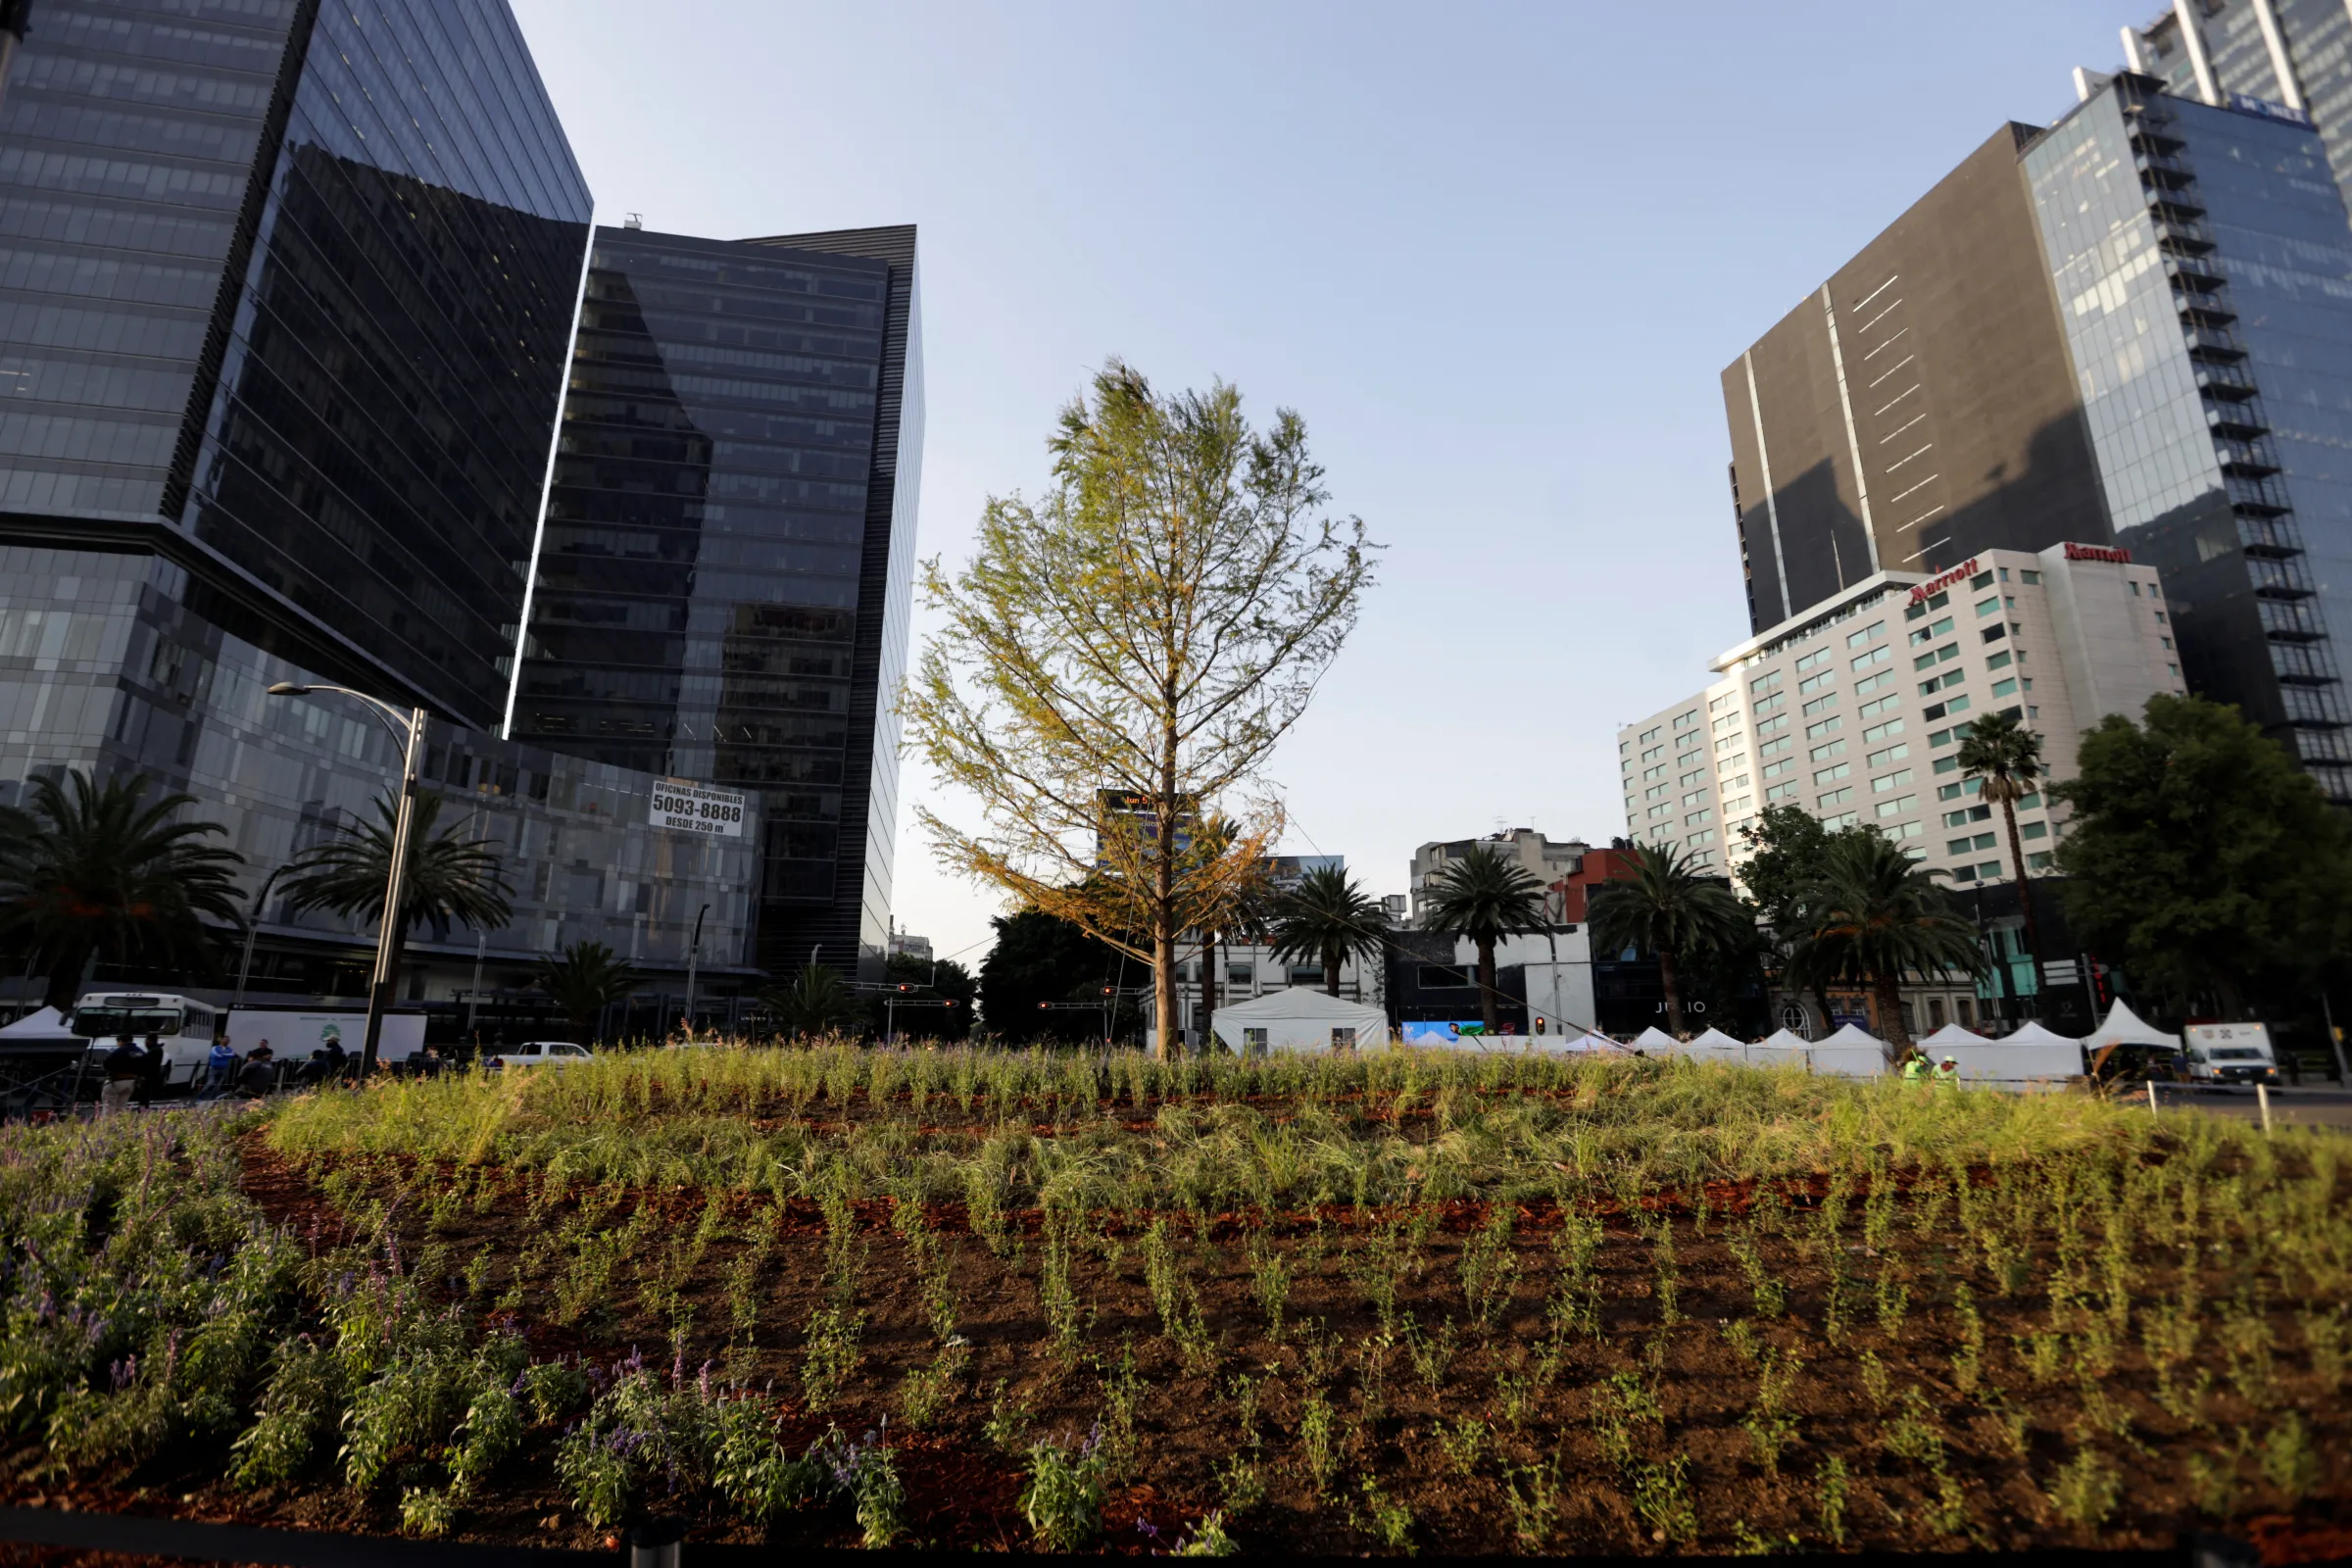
pixel 451 877
pixel 99 871
pixel 1328 918
pixel 1872 916
pixel 1485 897
pixel 1671 907
pixel 2201 855
pixel 1119 657
pixel 2005 757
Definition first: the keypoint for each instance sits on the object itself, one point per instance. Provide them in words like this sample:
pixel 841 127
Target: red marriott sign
pixel 2122 558
pixel 1966 568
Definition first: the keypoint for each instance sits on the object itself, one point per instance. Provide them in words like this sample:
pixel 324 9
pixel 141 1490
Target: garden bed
pixel 1402 1302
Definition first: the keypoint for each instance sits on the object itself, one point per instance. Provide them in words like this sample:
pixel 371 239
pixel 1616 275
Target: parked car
pixel 539 1054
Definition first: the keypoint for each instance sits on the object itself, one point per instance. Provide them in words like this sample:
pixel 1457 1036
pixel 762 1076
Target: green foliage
pixel 584 981
pixel 1326 919
pixel 98 871
pixel 818 1003
pixel 2203 857
pixel 450 877
pixel 1040 957
pixel 1873 916
pixel 1062 1500
pixel 1484 895
pixel 1670 907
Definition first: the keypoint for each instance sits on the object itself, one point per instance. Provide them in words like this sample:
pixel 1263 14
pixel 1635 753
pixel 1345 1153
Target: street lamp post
pixel 252 929
pixel 693 950
pixel 410 729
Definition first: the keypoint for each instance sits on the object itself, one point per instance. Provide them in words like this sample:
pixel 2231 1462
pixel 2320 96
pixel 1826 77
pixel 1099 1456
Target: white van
pixel 2231 1054
pixel 186 1027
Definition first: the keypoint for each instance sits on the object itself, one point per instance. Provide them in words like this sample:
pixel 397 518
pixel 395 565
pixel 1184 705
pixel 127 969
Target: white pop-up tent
pixel 1655 1042
pixel 2123 1027
pixel 2033 1054
pixel 1852 1053
pixel 1783 1048
pixel 1714 1045
pixel 42 1023
pixel 1299 1018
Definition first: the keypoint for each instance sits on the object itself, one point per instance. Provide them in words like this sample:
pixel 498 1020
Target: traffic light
pixel 1043 1005
pixel 1108 990
pixel 903 986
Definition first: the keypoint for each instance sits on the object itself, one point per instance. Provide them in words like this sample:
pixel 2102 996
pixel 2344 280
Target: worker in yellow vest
pixel 1948 1071
pixel 1915 1067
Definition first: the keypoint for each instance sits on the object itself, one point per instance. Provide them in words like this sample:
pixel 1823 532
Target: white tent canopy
pixel 1714 1045
pixel 2031 1055
pixel 2126 1028
pixel 1850 1052
pixel 1299 1018
pixel 42 1023
pixel 2031 1033
pixel 1781 1040
pixel 1656 1042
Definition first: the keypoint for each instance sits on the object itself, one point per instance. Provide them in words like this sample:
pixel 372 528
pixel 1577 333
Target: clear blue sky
pixel 1496 254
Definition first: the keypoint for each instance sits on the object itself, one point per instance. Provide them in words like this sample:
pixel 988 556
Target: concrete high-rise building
pixel 723 583
pixel 1854 711
pixel 2132 329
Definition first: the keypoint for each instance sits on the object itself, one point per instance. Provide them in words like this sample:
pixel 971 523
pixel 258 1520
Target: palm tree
pixel 448 879
pixel 1671 907
pixel 2005 758
pixel 1486 897
pixel 816 1002
pixel 586 980
pixel 1328 917
pixel 1873 917
pixel 94 870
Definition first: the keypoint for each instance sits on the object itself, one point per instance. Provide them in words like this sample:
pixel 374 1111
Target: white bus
pixel 187 1027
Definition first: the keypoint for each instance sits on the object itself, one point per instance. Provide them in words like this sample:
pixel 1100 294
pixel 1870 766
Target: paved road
pixel 2329 1106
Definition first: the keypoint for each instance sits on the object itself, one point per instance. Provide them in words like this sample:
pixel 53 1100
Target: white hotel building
pixel 1854 710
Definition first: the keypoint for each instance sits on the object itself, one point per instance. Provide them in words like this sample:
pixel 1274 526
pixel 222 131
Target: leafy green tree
pixel 1120 657
pixel 1787 851
pixel 584 981
pixel 1871 917
pixel 819 1002
pixel 1672 908
pixel 97 870
pixel 451 879
pixel 2005 758
pixel 933 981
pixel 2201 855
pixel 1040 957
pixel 1328 918
pixel 1485 896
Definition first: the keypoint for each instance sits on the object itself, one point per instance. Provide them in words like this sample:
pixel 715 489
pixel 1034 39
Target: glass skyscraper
pixel 286 290
pixel 2203 270
pixel 722 586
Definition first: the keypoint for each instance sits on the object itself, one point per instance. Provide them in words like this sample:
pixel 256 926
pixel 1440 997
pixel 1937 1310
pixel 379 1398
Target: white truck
pixel 2231 1054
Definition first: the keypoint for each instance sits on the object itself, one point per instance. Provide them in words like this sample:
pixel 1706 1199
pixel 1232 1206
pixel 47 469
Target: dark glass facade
pixel 290 289
pixel 723 579
pixel 2204 262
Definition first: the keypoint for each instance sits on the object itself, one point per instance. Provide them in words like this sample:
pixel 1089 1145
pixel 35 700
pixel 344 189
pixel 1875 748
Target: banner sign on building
pixel 2075 552
pixel 685 808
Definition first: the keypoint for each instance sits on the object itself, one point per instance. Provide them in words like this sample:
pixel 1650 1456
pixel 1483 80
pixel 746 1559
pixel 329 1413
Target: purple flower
pixel 124 1371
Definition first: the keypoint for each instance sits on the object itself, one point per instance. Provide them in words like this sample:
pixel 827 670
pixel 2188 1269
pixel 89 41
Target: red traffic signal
pixel 903 986
pixel 1043 1005
pixel 1107 989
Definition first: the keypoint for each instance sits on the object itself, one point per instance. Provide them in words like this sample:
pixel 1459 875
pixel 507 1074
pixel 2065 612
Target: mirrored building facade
pixel 286 292
pixel 721 592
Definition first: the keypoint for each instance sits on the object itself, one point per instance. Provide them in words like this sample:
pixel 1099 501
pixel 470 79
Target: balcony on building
pixel 2255 498
pixel 2203 306
pixel 2241 419
pixel 2182 235
pixel 2274 537
pixel 2246 459
pixel 2199 269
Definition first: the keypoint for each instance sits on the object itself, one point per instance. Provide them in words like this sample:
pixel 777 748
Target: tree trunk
pixel 1888 991
pixel 1209 991
pixel 1673 988
pixel 1164 991
pixel 64 977
pixel 2024 896
pixel 1486 986
pixel 1330 969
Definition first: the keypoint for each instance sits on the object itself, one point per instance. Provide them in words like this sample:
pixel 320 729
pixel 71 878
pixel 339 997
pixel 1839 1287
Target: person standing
pixel 125 1069
pixel 259 1075
pixel 158 1069
pixel 220 1069
pixel 1915 1068
pixel 1948 1071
